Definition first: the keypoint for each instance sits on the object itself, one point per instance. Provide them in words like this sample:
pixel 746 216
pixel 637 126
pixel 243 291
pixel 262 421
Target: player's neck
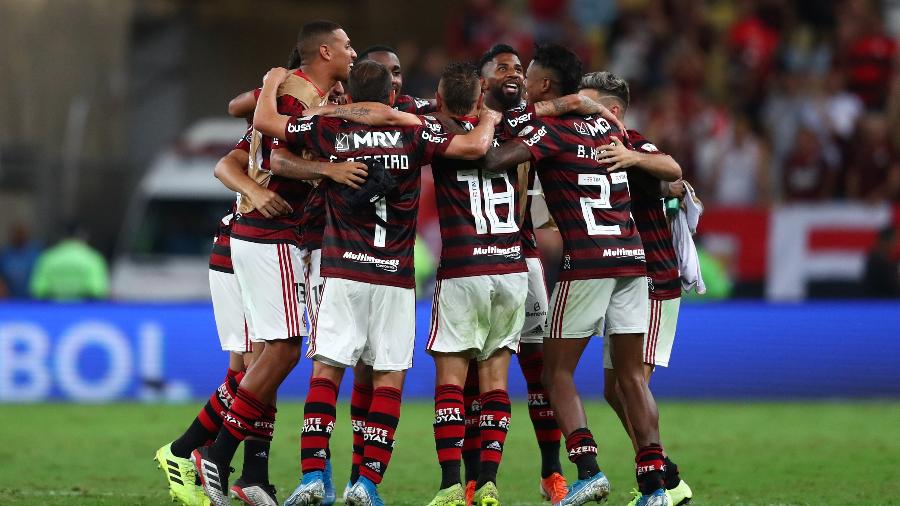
pixel 320 75
pixel 471 116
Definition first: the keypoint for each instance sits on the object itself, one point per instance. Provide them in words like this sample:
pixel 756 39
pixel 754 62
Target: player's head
pixel 370 81
pixel 502 75
pixel 326 43
pixel 459 89
pixel 387 56
pixel 608 89
pixel 554 71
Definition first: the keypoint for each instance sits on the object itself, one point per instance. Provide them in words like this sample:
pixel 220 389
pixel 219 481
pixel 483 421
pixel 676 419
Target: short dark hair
pixel 312 35
pixel 294 60
pixel 369 81
pixel 492 53
pixel 608 83
pixel 377 48
pixel 563 63
pixel 459 81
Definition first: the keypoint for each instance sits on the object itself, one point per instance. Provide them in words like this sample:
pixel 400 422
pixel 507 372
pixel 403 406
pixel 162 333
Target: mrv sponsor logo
pixel 347 141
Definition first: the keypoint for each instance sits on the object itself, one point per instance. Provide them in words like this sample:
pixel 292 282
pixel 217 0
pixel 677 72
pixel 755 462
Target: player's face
pixel 336 95
pixel 342 54
pixel 504 79
pixel 534 81
pixel 392 63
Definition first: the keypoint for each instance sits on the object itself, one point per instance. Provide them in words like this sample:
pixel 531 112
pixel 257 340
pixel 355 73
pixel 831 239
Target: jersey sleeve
pixel 244 143
pixel 515 120
pixel 640 143
pixel 301 132
pixel 540 140
pixel 290 105
pixel 432 138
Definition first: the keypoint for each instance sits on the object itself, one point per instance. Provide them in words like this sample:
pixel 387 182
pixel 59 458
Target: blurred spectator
pixel 17 261
pixel 874 170
pixel 738 170
pixel 882 277
pixel 865 52
pixel 808 174
pixel 70 270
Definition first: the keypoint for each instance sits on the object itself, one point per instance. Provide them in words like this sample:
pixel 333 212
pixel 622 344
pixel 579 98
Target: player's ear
pixel 348 98
pixel 393 97
pixel 546 84
pixel 480 103
pixel 439 101
pixel 484 84
pixel 325 52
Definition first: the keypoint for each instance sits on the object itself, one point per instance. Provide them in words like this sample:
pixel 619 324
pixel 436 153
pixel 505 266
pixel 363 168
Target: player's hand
pixel 352 174
pixel 489 115
pixel 278 74
pixel 269 203
pixel 676 189
pixel 609 116
pixel 618 155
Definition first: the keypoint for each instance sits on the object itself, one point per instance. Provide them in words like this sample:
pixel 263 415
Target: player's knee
pixel 610 394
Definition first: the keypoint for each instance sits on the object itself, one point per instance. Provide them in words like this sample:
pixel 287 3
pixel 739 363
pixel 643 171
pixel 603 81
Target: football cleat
pixel 660 497
pixel 364 493
pixel 487 495
pixel 213 477
pixel 554 488
pixel 330 493
pixel 451 496
pixel 311 490
pixel 595 488
pixel 470 492
pixel 254 494
pixel 682 494
pixel 181 476
pixel 347 491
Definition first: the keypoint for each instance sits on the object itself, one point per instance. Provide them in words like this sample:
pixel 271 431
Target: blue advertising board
pixel 106 351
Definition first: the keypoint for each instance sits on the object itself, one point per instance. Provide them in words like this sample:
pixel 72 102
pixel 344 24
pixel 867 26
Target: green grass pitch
pixel 730 453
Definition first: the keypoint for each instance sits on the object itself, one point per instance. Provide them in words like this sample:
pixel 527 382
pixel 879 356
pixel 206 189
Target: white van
pixel 167 235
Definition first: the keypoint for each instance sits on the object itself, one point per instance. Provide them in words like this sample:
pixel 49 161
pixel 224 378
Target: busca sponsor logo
pixel 387 265
pixel 534 139
pixel 304 126
pixel 518 120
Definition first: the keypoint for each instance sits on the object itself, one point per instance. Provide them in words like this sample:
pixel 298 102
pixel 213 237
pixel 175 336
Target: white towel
pixel 684 226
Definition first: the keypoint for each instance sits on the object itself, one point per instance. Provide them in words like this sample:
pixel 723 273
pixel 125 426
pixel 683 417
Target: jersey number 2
pixel 602 202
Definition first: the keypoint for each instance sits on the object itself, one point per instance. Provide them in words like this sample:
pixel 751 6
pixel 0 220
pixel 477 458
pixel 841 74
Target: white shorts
pixel 270 277
pixel 313 283
pixel 228 309
pixel 477 314
pixel 660 336
pixel 356 320
pixel 582 307
pixel 535 304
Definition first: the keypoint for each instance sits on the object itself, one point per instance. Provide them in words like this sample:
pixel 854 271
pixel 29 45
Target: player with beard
pixel 366 309
pixel 652 175
pixel 502 82
pixel 267 264
pixel 602 274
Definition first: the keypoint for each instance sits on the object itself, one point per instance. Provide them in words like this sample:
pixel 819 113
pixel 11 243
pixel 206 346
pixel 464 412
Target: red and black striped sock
pixel 245 418
pixel 256 452
pixel 471 452
pixel 318 422
pixel 650 468
pixel 541 412
pixel 360 401
pixel 381 424
pixel 582 451
pixel 449 431
pixel 494 424
pixel 208 422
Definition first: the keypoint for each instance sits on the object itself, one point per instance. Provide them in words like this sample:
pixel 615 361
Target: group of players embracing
pixel 328 183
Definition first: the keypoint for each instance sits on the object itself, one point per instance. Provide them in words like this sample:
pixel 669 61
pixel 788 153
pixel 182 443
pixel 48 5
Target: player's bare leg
pixel 640 409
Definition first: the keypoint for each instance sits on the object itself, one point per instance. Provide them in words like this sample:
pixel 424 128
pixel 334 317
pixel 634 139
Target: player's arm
pixel 477 142
pixel 367 113
pixel 284 163
pixel 266 118
pixel 508 155
pixel 658 165
pixel 231 170
pixel 242 106
pixel 576 104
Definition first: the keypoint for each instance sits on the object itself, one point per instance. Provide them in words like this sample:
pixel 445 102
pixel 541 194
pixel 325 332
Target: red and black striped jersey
pixel 294 95
pixel 591 207
pixel 220 258
pixel 477 211
pixel 514 120
pixel 647 208
pixel 312 225
pixel 373 244
pixel 413 105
